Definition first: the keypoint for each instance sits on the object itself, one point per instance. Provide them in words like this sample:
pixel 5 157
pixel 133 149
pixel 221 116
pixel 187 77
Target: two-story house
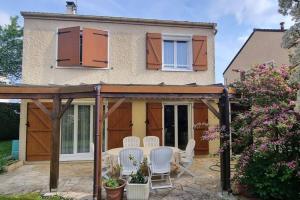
pixel 72 49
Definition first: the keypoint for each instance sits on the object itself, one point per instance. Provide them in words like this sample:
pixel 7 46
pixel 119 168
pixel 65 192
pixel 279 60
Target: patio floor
pixel 76 181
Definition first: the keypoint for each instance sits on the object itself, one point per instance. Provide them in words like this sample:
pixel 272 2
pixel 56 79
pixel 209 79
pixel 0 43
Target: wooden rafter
pixel 65 107
pixel 114 107
pixel 211 108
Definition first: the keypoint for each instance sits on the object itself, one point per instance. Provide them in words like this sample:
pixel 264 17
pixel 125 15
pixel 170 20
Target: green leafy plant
pixel 112 183
pixel 141 176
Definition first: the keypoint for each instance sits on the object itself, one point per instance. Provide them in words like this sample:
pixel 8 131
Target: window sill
pixel 176 70
pixel 81 67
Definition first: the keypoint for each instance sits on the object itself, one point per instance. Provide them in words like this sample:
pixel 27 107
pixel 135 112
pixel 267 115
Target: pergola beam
pixel 114 107
pixel 65 107
pixel 211 108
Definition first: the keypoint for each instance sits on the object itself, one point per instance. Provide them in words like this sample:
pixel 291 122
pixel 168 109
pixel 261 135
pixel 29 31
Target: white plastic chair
pixel 128 165
pixel 160 165
pixel 131 141
pixel 151 141
pixel 186 158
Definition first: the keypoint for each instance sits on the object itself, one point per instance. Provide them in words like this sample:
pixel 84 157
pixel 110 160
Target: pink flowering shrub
pixel 266 132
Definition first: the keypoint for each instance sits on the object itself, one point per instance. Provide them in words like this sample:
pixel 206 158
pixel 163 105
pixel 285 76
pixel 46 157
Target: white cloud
pixel 4 18
pixel 262 13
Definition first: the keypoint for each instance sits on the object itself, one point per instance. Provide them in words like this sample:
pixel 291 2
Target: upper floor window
pixel 177 53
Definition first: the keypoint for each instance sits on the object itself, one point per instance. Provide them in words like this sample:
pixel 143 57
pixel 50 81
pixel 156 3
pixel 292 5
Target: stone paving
pixel 76 181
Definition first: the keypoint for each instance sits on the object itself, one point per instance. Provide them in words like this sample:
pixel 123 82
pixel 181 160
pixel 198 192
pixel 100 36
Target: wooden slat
pixel 42 107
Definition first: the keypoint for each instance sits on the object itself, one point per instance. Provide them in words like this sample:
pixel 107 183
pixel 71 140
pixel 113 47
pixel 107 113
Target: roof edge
pixel 120 20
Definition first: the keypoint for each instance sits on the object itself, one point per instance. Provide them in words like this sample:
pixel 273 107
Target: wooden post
pixel 225 140
pixel 98 144
pixel 55 143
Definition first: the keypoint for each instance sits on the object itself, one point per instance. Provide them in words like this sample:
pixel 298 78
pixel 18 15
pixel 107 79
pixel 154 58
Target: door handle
pixel 130 124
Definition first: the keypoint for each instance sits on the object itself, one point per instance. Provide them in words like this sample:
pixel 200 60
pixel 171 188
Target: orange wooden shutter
pixel 38 133
pixel 94 48
pixel 119 125
pixel 154 51
pixel 200 116
pixel 199 52
pixel 68 50
pixel 154 120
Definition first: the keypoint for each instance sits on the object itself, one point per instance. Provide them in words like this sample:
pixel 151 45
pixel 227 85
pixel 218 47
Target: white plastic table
pixel 113 154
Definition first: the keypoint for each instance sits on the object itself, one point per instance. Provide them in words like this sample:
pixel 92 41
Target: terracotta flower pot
pixel 115 193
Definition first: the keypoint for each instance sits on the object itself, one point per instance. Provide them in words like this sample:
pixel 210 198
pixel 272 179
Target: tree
pixel 11 49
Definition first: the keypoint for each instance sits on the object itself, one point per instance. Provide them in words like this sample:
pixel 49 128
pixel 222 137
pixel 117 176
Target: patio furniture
pixel 113 154
pixel 128 165
pixel 131 141
pixel 160 165
pixel 187 158
pixel 104 167
pixel 151 141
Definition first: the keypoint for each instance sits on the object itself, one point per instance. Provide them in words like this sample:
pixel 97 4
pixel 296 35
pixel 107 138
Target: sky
pixel 235 18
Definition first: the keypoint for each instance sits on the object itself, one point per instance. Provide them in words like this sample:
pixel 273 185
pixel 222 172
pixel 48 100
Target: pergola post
pixel 98 144
pixel 225 140
pixel 55 143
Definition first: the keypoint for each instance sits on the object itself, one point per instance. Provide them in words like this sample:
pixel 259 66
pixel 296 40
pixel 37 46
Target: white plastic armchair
pixel 187 157
pixel 151 141
pixel 128 166
pixel 160 165
pixel 131 141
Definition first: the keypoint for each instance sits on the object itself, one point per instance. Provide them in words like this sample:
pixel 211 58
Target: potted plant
pixel 138 183
pixel 114 185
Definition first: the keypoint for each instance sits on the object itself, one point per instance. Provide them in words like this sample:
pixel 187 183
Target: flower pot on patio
pixel 115 193
pixel 137 191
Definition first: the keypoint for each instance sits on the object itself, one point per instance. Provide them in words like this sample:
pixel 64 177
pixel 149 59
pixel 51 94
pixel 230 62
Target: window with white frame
pixel 177 53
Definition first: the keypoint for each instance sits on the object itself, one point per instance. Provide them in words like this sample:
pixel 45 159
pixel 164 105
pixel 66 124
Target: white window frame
pixel 190 120
pixel 75 155
pixel 176 38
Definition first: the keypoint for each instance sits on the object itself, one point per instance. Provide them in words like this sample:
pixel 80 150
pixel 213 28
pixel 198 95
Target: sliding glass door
pixel 76 133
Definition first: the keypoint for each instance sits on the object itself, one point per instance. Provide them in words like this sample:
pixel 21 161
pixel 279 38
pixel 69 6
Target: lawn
pixel 30 196
pixel 5 152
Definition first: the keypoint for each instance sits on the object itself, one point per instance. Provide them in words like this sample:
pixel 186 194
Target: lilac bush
pixel 267 133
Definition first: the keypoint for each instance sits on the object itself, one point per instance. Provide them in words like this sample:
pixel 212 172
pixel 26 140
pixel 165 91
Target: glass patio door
pixel 76 132
pixel 176 125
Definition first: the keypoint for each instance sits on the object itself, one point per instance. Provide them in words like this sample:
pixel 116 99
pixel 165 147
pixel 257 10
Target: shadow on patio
pixel 76 181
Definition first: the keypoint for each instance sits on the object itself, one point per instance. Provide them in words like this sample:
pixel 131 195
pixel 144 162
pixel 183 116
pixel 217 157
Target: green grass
pixel 5 148
pixel 5 152
pixel 30 196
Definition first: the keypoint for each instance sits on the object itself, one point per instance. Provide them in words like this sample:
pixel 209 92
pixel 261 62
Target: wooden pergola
pixel 57 93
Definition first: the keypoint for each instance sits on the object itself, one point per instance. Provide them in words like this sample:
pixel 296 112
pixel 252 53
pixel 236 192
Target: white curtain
pixel 67 131
pixel 169 53
pixel 182 53
pixel 83 140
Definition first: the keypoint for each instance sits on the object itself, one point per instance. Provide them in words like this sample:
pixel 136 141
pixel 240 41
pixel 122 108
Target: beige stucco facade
pixel 126 58
pixel 126 54
pixel 263 46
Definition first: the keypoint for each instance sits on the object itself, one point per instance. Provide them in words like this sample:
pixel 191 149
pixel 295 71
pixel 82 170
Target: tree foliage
pixel 11 49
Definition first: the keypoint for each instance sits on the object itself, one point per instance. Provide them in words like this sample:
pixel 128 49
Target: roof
pixel 111 91
pixel 119 20
pixel 254 30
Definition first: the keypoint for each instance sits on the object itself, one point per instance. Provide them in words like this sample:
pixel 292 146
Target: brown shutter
pixel 68 50
pixel 94 48
pixel 199 52
pixel 200 116
pixel 119 125
pixel 38 133
pixel 154 120
pixel 154 51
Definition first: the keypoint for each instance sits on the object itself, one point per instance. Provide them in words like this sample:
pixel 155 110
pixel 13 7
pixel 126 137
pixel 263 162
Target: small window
pixel 177 53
